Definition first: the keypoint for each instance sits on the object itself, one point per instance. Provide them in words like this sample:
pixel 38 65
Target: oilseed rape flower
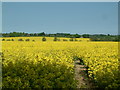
pixel 51 64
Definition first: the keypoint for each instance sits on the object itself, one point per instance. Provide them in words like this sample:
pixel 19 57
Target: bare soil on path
pixel 81 76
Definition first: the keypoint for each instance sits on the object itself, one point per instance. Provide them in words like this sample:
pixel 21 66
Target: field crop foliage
pixel 50 64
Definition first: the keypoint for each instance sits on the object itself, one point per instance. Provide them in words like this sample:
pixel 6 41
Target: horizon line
pixel 62 32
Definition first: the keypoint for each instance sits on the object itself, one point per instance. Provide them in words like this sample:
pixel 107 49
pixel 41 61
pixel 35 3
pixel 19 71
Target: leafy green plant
pixel 43 39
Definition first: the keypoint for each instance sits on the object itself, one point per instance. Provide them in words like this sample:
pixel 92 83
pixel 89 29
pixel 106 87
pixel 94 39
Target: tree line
pixel 94 37
pixel 23 34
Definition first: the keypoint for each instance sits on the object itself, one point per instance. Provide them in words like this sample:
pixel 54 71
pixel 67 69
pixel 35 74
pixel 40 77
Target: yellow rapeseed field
pixel 50 64
pixel 40 38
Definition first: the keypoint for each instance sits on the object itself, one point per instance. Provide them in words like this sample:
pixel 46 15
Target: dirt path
pixel 80 75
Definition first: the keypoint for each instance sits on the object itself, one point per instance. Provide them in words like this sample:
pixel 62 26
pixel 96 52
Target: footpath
pixel 82 77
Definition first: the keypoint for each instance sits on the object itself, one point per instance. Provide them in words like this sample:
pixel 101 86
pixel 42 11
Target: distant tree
pixel 27 40
pixel 119 38
pixel 41 34
pixel 85 35
pixel 12 39
pixel 3 39
pixel 20 39
pixel 65 40
pixel 43 39
pixel 8 40
pixel 76 39
pixel 77 36
pixel 35 34
pixel 31 34
pixel 33 40
pixel 55 39
pixel 71 39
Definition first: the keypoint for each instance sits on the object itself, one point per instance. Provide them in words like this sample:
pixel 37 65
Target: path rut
pixel 81 77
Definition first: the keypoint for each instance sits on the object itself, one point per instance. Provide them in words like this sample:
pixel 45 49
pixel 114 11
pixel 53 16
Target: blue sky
pixel 0 16
pixel 57 17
